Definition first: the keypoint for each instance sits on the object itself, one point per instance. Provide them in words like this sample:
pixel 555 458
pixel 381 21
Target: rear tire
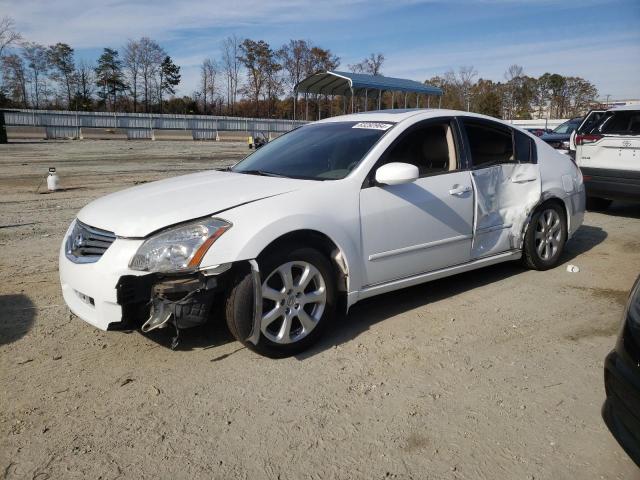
pixel 299 302
pixel 545 238
pixel 597 203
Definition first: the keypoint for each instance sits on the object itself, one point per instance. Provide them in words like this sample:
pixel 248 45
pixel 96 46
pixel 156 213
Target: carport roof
pixel 341 83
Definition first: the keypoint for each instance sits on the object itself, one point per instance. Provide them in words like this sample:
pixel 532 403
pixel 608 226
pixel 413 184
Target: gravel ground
pixel 493 374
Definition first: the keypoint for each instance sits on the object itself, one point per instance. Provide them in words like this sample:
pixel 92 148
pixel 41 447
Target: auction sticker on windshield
pixel 373 125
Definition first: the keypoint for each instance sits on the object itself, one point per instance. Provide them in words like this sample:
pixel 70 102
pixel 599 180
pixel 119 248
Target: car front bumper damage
pixel 156 301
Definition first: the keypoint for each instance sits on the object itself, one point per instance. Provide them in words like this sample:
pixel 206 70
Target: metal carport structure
pixel 348 84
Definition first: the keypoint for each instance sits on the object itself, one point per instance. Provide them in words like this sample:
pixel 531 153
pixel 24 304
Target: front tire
pixel 545 238
pixel 298 302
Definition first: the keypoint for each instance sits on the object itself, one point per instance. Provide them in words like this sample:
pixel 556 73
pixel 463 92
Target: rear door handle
pixel 457 190
pixel 522 179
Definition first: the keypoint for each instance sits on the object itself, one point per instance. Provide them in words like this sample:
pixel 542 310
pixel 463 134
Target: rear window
pixel 621 123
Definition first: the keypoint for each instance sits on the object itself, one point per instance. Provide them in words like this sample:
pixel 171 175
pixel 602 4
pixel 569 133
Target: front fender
pixel 256 226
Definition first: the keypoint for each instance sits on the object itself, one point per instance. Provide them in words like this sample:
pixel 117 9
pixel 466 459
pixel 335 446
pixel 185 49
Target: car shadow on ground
pixel 214 334
pixel 582 241
pixel 17 316
pixel 371 311
pixel 623 209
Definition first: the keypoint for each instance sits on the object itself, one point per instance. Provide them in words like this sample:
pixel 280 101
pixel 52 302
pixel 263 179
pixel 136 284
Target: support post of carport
pixel 439 101
pixel 405 99
pixel 306 106
pixel 366 99
pixel 379 99
pixel 295 95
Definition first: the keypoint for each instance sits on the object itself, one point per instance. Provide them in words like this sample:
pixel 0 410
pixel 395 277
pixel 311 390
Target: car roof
pixel 398 115
pixel 625 107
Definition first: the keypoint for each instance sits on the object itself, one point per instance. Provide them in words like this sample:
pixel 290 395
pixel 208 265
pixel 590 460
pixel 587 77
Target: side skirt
pixel 372 290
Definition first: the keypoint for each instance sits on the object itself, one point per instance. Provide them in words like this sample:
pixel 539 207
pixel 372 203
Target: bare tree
pixel 151 57
pixel 208 71
pixel 513 75
pixel 38 64
pixel 295 59
pixel 132 65
pixel 8 33
pixel 15 78
pixel 231 67
pixel 371 65
pixel 466 76
pixel 86 78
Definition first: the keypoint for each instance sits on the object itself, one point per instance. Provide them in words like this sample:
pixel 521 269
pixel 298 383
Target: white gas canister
pixel 53 181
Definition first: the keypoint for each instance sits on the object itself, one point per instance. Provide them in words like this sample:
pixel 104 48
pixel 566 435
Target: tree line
pixel 250 78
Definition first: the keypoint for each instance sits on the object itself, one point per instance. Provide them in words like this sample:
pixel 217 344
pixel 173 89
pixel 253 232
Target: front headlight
pixel 178 248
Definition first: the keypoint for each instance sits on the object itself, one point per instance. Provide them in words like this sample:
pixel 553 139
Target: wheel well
pixel 546 201
pixel 322 243
pixel 559 202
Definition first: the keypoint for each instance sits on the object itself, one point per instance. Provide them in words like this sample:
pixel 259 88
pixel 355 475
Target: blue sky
pixel 596 39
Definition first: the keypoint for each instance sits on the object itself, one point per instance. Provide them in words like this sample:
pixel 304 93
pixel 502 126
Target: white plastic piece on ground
pixel 573 268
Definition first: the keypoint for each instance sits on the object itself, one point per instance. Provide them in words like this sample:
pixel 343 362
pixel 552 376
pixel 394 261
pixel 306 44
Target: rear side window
pixel 591 121
pixel 489 144
pixel 525 149
pixel 621 123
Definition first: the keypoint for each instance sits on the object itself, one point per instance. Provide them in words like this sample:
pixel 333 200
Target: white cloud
pixel 610 62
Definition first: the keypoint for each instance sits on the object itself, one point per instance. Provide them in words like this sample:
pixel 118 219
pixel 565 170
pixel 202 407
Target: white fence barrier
pixel 541 123
pixel 68 124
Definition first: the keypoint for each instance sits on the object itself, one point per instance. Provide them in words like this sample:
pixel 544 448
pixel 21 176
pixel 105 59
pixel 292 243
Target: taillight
pixel 587 139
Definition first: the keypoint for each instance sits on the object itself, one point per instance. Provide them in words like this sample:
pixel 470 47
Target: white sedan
pixel 326 215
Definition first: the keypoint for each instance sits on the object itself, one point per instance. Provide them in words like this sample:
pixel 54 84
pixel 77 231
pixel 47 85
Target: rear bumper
pixel 621 409
pixel 612 184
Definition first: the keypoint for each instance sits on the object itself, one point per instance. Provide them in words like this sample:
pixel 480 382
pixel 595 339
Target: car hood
pixel 141 210
pixel 555 137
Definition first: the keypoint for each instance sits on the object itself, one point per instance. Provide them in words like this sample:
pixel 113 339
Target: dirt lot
pixel 494 374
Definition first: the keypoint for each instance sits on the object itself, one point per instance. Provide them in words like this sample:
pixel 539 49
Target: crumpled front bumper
pixel 89 289
pixel 110 296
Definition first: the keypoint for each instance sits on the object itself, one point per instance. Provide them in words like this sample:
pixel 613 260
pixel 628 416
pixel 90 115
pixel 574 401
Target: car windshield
pixel 320 151
pixel 566 127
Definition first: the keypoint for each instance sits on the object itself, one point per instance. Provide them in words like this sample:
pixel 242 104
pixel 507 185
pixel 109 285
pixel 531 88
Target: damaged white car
pixel 329 214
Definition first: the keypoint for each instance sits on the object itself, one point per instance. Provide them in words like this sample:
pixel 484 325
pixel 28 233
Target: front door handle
pixel 458 190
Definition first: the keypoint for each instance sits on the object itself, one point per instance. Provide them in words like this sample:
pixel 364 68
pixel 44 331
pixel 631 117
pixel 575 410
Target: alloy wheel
pixel 294 298
pixel 548 235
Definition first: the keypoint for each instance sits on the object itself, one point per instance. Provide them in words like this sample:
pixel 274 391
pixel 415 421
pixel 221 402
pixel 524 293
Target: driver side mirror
pixel 397 173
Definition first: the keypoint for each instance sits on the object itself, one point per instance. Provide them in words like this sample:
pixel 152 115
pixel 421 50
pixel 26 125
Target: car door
pixel 424 225
pixel 506 183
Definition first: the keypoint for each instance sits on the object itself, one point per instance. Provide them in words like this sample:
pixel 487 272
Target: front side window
pixel 489 144
pixel 428 147
pixel 321 151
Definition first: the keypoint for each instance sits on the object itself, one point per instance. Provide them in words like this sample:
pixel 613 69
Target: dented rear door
pixel 506 183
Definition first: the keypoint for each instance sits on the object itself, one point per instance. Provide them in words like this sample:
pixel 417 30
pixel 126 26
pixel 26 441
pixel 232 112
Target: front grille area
pixel 87 244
